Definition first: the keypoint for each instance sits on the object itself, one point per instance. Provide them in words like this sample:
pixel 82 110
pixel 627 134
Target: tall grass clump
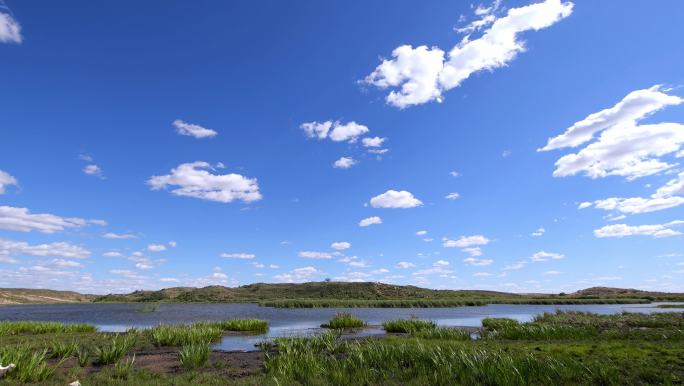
pixel 63 350
pixel 531 331
pixel 31 364
pixel 242 325
pixel 116 350
pixel 193 356
pixel 442 333
pixel 123 369
pixel 180 335
pixel 623 320
pixel 321 360
pixel 344 320
pixel 408 325
pixel 29 327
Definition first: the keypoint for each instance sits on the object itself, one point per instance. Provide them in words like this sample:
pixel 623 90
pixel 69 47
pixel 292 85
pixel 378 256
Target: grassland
pixel 564 348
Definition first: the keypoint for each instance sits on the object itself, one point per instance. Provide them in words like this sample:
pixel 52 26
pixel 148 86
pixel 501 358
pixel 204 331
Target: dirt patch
pixel 232 364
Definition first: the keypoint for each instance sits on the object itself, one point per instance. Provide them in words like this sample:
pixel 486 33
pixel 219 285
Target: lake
pixel 286 321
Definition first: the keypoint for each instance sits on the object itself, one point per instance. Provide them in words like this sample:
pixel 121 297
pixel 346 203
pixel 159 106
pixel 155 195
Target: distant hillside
pixel 330 294
pixel 312 290
pixel 28 296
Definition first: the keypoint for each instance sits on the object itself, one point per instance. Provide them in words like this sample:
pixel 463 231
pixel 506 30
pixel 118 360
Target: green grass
pixel 240 325
pixel 28 327
pixel 31 365
pixel 180 335
pixel 498 323
pixel 62 350
pixel 408 325
pixel 442 333
pixel 115 350
pixel 194 355
pixel 344 320
pixel 670 306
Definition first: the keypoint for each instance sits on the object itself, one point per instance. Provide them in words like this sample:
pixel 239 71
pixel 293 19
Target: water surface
pixel 286 321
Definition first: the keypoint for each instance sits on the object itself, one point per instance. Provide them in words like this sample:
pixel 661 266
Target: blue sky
pixel 166 143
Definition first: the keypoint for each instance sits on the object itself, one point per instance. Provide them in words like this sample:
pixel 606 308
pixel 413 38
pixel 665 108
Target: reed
pixel 241 325
pixel 62 350
pixel 31 364
pixel 408 325
pixel 180 335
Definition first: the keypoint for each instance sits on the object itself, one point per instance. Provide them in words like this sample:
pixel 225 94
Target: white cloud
pixel 119 236
pixel 19 219
pixel 353 277
pixel 546 256
pixel 373 141
pixel 538 232
pixel 192 130
pixel 298 275
pixel 10 30
pixel 93 170
pixel 112 254
pixel 624 148
pixel 623 230
pixel 421 233
pixel 172 244
pixel 378 151
pixel 6 179
pixel 440 263
pixel 315 255
pixel 340 245
pixel 473 251
pixel 168 280
pixel 61 263
pixel 482 274
pixel 273 266
pixel 477 262
pixel 59 249
pixel 194 180
pixel 515 266
pixel 422 74
pixel 353 261
pixel 395 199
pixel 634 107
pixel 452 196
pixel 370 221
pixel 344 163
pixel 336 131
pixel 436 270
pixel 465 241
pixel 405 265
pixel 240 255
pixel 454 173
pixel 156 247
pixel 552 273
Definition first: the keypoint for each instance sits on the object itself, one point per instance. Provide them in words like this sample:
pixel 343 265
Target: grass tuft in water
pixel 344 320
pixel 408 325
pixel 28 327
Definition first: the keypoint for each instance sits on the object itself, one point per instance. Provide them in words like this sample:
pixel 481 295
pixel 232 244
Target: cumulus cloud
pixel 315 255
pixel 373 141
pixel 452 196
pixel 340 245
pixel 421 74
pixel 370 221
pixel 344 163
pixel 395 199
pixel 473 251
pixel 465 241
pixel 477 262
pixel 623 148
pixel 335 131
pixel 59 249
pixel 156 247
pixel 192 130
pixel 240 255
pixel 20 219
pixel 624 230
pixel 546 256
pixel 196 180
pixel 6 180
pixel 298 275
pixel 667 196
pixel 405 265
pixel 10 30
pixel 421 233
